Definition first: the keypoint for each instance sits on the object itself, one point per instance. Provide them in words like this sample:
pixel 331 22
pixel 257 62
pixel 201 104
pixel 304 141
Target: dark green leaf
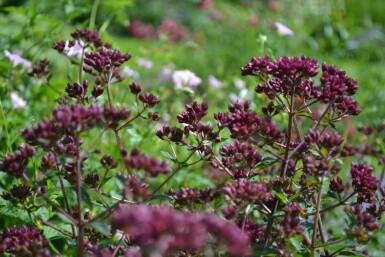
pixel 86 198
pixel 267 161
pixel 348 253
pixel 101 226
pixel 261 251
pixel 162 197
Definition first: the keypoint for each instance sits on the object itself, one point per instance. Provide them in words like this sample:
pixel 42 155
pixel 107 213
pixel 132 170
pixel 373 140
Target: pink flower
pixel 185 78
pixel 283 29
pixel 213 81
pixel 75 50
pixel 130 72
pixel 145 63
pixel 16 59
pixel 17 101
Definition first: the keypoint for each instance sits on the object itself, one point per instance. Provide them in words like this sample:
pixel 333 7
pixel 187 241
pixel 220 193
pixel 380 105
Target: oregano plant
pixel 285 183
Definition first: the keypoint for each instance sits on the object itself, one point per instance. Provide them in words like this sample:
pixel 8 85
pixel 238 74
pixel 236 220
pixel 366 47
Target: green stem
pixel 176 171
pixel 285 163
pixel 132 119
pixel 81 64
pixel 6 128
pixel 93 13
pixel 331 243
pixel 316 217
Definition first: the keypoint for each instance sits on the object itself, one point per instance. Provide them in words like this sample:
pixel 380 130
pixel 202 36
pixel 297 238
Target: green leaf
pixel 86 197
pixel 162 197
pixel 101 226
pixel 129 126
pixel 60 217
pixel 51 233
pixel 168 155
pixel 281 197
pixel 9 210
pixel 295 196
pixel 279 214
pixel 267 161
pixel 348 253
pixel 262 251
pixel 297 244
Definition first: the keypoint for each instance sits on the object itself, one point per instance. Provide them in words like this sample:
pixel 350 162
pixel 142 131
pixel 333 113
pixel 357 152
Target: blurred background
pixel 211 38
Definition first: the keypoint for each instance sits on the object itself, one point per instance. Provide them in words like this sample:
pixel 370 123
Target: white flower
pixel 145 63
pixel 234 98
pixel 213 81
pixel 17 101
pixel 165 72
pixel 16 59
pixel 283 29
pixel 185 78
pixel 130 72
pixel 75 50
pixel 239 83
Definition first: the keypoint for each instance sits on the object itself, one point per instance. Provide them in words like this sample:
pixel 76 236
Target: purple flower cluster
pixel 108 162
pixel 269 132
pixel 75 118
pixel 245 192
pixel 46 133
pixel 15 163
pixel 364 222
pixel 173 134
pixel 287 72
pixel 291 222
pixel 104 60
pixel 112 115
pixel 191 119
pixel 77 90
pixel 162 231
pixel 256 66
pixel 69 119
pixel 347 106
pixel 194 113
pixel 152 166
pixel 364 183
pixel 24 241
pixel 242 122
pixel 330 140
pixel 240 155
pixel 254 230
pixel 188 196
pixel 336 84
pixel 89 36
pixel 293 68
pixel 293 75
pixel 92 179
pixel 148 99
pixel 336 185
pixel 17 194
pixel 40 70
pixel 136 190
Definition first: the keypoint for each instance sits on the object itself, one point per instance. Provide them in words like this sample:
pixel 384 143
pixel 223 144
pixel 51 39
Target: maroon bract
pixel 24 241
pixel 16 163
pixel 161 230
pixel 152 166
pixel 364 182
